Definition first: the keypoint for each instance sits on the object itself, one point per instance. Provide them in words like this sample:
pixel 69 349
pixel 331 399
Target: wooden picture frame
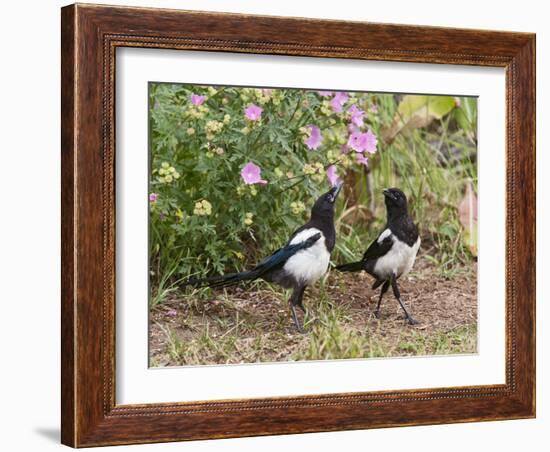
pixel 90 36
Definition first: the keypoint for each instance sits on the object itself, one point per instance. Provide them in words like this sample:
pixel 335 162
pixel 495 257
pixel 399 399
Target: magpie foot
pixel 299 327
pixel 377 314
pixel 412 321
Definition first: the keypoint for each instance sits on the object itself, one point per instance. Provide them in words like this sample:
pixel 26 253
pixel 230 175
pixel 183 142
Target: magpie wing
pixel 269 264
pixel 279 257
pixel 380 246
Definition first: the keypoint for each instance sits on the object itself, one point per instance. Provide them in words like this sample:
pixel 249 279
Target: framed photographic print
pixel 280 225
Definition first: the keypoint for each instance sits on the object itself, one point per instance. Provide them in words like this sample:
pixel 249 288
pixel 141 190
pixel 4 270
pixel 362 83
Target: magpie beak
pixel 389 194
pixel 335 190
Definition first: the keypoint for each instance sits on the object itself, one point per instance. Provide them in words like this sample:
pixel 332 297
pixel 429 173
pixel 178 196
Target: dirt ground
pixel 253 324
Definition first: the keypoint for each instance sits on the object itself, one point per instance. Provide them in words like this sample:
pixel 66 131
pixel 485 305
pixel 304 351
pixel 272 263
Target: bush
pixel 235 170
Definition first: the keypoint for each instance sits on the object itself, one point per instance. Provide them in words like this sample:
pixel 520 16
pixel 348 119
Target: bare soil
pixel 253 324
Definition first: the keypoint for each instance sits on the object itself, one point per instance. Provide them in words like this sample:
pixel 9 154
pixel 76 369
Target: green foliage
pixel 205 219
pixel 198 153
pixel 415 111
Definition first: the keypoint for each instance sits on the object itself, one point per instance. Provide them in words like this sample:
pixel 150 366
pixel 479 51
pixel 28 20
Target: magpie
pixel 393 253
pixel 299 263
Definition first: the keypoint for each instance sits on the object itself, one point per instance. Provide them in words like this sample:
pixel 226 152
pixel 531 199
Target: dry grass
pixel 253 325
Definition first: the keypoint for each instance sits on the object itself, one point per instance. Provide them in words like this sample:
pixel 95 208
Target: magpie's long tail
pixel 351 267
pixel 228 280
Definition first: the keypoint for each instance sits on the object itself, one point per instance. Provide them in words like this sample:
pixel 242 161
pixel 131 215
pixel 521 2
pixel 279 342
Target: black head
pixel 396 201
pixel 324 206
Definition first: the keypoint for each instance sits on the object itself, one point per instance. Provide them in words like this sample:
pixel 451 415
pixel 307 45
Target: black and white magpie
pixel 393 253
pixel 301 262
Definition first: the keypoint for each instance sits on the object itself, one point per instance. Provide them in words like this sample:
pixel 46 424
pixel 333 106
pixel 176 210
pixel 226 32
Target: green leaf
pixel 448 229
pixel 467 213
pixel 417 111
pixel 466 116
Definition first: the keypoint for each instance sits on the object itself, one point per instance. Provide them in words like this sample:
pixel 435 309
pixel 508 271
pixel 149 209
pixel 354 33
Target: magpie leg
pixel 299 327
pixel 382 292
pixel 296 301
pixel 397 295
pixel 300 305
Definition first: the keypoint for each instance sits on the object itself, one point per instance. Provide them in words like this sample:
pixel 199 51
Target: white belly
pixel 399 260
pixel 310 264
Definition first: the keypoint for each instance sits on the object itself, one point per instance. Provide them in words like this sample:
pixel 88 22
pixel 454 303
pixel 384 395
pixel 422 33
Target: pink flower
pixel 374 108
pixel 315 139
pixel 253 112
pixel 370 142
pixel 356 115
pixel 332 176
pixel 361 159
pixel 324 93
pixel 172 313
pixel 361 142
pixel 251 174
pixel 197 100
pixel 356 141
pixel 338 101
pixel 153 197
